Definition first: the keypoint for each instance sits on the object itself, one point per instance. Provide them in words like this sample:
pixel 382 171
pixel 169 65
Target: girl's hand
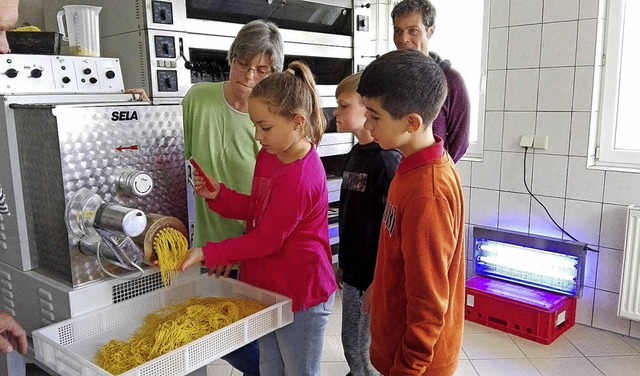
pixel 221 270
pixel 200 186
pixel 195 256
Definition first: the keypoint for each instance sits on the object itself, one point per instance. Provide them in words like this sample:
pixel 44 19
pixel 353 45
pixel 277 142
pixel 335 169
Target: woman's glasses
pixel 261 71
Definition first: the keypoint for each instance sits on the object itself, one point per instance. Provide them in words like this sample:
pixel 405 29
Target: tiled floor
pixel 582 351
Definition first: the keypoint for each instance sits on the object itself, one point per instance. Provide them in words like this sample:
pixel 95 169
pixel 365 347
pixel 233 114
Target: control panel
pixel 49 74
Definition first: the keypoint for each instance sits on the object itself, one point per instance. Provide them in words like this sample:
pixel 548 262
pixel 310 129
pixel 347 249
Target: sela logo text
pixel 124 115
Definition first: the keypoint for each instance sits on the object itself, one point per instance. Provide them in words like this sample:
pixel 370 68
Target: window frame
pixel 604 115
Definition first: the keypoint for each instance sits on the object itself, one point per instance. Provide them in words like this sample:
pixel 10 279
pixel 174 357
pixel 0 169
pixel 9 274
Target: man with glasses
pixel 413 26
pixel 219 135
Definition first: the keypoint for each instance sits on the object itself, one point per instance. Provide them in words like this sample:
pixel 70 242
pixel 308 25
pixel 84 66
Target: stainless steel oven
pixel 165 46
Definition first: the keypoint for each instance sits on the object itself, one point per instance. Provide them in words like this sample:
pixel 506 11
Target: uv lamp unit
pixel 536 261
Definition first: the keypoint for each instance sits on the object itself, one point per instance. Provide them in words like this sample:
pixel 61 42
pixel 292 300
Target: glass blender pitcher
pixel 83 29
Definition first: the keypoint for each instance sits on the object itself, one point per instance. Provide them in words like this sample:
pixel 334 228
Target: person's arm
pixel 230 204
pixel 284 210
pixel 12 336
pixel 8 18
pixel 428 244
pixel 187 122
pixel 458 118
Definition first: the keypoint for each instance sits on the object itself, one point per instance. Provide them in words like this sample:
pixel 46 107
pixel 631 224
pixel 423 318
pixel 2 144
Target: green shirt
pixel 221 139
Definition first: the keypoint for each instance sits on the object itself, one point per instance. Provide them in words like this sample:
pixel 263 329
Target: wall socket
pixel 534 142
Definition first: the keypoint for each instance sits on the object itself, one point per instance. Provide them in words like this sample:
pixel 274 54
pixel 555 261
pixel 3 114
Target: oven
pixel 165 46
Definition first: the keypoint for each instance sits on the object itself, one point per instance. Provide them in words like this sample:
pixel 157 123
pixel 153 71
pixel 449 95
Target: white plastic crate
pixel 69 347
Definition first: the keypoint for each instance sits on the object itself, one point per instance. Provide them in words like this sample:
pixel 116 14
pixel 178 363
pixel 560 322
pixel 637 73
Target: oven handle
pixel 187 64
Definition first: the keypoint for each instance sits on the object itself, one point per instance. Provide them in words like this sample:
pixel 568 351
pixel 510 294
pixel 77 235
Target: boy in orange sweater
pixel 417 310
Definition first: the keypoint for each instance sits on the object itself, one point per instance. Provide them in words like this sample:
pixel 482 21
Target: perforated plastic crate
pixel 69 347
pixel 530 313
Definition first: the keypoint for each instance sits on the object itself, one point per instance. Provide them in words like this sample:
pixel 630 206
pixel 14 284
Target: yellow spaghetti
pixel 172 327
pixel 171 248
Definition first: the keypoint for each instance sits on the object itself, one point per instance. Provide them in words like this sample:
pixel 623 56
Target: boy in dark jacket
pixel 367 173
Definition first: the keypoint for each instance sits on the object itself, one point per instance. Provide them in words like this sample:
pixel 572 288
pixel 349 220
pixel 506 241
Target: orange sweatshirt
pixel 417 312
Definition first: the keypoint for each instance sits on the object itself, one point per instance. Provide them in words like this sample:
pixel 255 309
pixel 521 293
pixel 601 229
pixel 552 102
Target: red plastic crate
pixel 530 313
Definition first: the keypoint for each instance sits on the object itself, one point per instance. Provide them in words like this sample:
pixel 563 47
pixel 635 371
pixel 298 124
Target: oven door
pixel 300 20
pixel 208 57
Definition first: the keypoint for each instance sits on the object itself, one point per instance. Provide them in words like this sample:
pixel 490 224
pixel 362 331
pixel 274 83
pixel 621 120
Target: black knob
pixel 66 80
pixel 163 14
pixel 188 64
pixel 36 73
pixel 11 73
pixel 93 80
pixel 87 71
pixel 110 74
pixel 367 5
pixel 167 83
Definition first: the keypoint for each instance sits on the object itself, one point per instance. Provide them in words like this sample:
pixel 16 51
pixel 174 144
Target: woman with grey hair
pixel 219 135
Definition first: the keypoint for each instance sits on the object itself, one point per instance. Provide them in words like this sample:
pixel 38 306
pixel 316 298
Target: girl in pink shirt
pixel 285 248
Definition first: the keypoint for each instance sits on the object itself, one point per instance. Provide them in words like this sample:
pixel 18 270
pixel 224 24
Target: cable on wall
pixel 524 179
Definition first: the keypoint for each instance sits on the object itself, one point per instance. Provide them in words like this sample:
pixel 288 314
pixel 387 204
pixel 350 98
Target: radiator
pixel 629 303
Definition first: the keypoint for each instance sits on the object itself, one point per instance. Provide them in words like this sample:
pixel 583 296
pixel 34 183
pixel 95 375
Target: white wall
pixel 541 60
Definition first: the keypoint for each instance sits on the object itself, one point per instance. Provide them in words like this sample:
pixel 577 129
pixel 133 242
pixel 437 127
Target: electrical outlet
pixel 541 142
pixel 527 141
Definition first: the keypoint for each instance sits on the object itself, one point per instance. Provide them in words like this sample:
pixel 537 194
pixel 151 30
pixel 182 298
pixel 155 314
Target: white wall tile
pixel 466 194
pixel 468 230
pixel 495 90
pixel 559 44
pixel 524 46
pixel 514 211
pixel 579 133
pixel 498 38
pixel 590 268
pixel 584 310
pixel 589 8
pixel 521 90
pixel 493 124
pixel 539 222
pixel 582 220
pixel 635 329
pixel 605 315
pixel 609 270
pixel 586 48
pixel 499 13
pixel 621 188
pixel 524 12
pixel 516 125
pixel 512 172
pixel 549 175
pixel 582 94
pixel 556 89
pixel 556 126
pixel 613 226
pixel 464 171
pixel 560 10
pixel 483 209
pixel 486 174
pixel 583 183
